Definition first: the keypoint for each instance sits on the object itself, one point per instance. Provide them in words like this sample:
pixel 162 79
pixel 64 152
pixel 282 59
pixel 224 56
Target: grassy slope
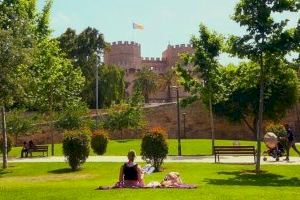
pixel 55 181
pixel 189 147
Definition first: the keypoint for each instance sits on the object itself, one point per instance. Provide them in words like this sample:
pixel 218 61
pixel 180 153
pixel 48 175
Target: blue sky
pixel 165 21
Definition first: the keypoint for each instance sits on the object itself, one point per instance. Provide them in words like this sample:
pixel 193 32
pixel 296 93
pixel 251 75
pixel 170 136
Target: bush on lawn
pixel 154 148
pixel 9 144
pixel 99 141
pixel 76 147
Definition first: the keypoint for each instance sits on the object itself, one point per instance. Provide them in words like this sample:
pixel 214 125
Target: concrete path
pixel 170 159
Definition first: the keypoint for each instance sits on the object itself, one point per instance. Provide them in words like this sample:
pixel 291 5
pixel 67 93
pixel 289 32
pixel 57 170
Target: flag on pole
pixel 138 26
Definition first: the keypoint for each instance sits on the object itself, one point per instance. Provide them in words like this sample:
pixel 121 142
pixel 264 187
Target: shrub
pixel 154 147
pixel 76 147
pixel 99 141
pixel 279 130
pixel 9 144
pixel 74 117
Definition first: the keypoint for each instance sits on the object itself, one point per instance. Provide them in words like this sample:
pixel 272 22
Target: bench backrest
pixel 41 147
pixel 234 149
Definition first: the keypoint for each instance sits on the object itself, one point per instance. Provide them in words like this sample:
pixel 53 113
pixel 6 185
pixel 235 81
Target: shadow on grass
pixel 4 172
pixel 62 171
pixel 248 178
pixel 123 141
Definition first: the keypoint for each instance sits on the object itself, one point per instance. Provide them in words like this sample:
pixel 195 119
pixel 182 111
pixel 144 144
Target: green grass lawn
pixel 189 147
pixel 49 181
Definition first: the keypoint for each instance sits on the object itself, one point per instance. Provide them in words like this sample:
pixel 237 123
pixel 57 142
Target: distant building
pixel 128 56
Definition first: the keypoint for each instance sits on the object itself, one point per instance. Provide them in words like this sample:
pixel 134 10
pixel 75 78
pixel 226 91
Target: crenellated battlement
pixel 179 46
pixel 125 43
pixel 153 59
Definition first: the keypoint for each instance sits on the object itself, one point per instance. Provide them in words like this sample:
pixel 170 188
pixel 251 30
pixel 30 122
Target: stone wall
pixel 198 126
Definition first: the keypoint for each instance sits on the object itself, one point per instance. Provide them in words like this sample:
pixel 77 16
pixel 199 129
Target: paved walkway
pixel 170 159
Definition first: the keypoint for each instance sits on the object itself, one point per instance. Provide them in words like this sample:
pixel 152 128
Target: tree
pixel 85 51
pixel 265 40
pixel 16 45
pixel 146 82
pixel 205 65
pixel 167 80
pixel 18 123
pixel 111 85
pixel 54 82
pixel 238 97
pixel 124 116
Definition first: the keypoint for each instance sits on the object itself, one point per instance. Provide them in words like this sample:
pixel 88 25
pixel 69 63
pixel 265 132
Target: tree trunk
pixel 169 95
pixel 211 116
pixel 260 114
pixel 4 135
pixel 146 98
pixel 16 139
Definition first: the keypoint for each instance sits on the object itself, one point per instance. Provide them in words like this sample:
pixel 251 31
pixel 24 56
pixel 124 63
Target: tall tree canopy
pixel 17 39
pixel 85 52
pixel 54 83
pixel 238 96
pixel 111 85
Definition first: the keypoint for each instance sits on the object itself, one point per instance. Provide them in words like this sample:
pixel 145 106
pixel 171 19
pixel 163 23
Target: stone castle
pixel 128 56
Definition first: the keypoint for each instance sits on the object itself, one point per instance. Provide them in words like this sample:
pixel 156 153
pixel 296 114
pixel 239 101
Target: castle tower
pixel 124 54
pixel 172 53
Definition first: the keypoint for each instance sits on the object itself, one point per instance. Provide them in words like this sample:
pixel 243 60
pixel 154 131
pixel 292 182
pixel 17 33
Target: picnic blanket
pixel 182 186
pixel 171 181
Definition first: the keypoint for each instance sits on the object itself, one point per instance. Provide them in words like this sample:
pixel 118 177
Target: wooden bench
pixel 234 151
pixel 39 148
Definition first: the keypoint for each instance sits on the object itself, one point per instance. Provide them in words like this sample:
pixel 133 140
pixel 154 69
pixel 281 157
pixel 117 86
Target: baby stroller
pixel 274 145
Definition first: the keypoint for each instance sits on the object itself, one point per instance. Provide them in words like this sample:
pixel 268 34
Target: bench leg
pixel 218 158
pixel 215 158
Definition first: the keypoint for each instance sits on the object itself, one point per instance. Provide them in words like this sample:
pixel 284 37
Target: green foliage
pixel 19 34
pixel 18 123
pixel 84 51
pixel 167 80
pixel 99 141
pixel 238 95
pixel 202 67
pixel 137 98
pixel 123 116
pixel 76 147
pixel 54 82
pixel 9 144
pixel 111 85
pixel 265 36
pixel 154 147
pixel 74 117
pixel 278 129
pixel 147 82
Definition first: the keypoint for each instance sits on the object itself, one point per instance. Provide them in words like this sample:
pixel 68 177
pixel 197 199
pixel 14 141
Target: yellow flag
pixel 138 26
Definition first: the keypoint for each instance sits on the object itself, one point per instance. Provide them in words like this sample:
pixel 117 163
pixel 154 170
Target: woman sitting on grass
pixel 131 174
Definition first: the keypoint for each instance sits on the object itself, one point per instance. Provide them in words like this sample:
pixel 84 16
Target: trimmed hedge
pixel 76 147
pixel 154 148
pixel 99 141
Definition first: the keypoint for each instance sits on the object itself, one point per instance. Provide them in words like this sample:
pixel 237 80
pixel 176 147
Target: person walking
pixel 290 142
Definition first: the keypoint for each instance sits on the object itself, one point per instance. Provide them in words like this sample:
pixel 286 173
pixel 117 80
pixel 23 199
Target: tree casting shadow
pixel 244 178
